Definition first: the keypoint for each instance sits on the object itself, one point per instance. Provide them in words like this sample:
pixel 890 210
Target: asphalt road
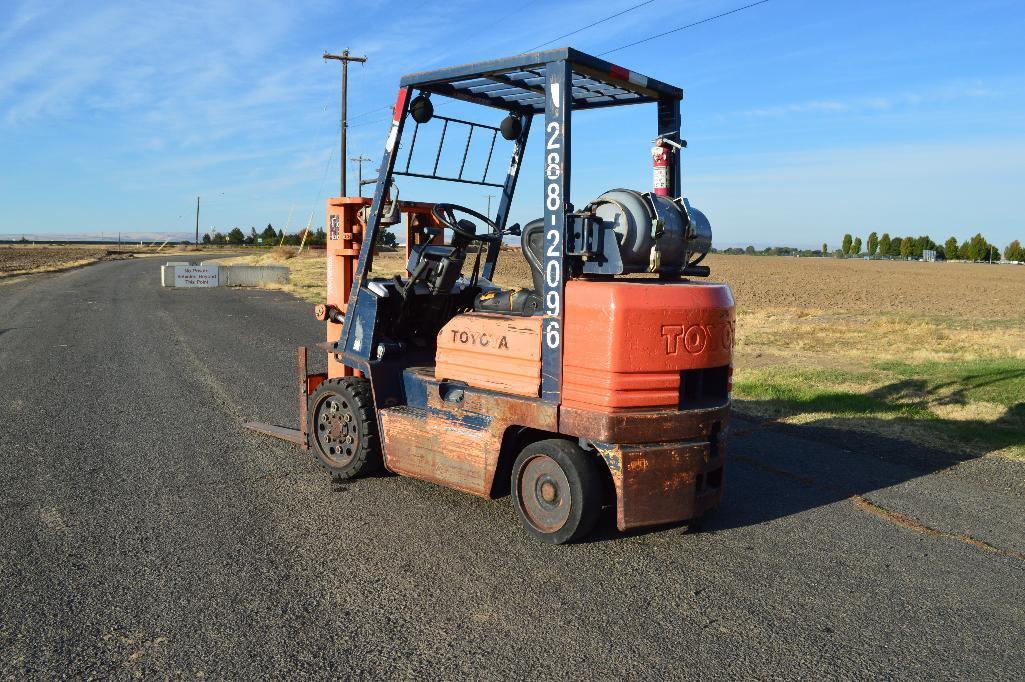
pixel 144 531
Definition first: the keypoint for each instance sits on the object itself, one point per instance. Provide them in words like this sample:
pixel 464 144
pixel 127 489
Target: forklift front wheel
pixel 342 427
pixel 557 491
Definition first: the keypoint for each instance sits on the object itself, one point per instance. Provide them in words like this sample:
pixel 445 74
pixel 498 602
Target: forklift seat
pixel 532 244
pixel 525 302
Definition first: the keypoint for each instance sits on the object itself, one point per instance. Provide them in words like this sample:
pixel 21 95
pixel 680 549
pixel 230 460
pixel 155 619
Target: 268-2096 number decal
pixel 553 235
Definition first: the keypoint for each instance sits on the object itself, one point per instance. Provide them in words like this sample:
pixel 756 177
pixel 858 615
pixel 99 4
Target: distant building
pixel 929 255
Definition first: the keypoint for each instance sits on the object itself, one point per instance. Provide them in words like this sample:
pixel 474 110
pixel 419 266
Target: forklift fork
pixel 307 384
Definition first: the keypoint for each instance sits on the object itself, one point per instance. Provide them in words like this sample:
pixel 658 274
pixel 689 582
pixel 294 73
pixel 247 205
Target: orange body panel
pixel 626 342
pixel 497 352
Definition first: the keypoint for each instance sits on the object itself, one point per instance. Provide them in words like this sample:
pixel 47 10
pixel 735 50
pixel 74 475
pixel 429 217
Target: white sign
pixel 195 276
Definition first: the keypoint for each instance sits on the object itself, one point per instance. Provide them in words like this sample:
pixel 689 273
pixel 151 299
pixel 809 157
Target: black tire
pixel 557 490
pixel 342 427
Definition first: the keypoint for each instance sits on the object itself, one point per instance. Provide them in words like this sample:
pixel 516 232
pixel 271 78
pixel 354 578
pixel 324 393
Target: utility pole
pixel 197 221
pixel 360 159
pixel 344 58
pixel 489 197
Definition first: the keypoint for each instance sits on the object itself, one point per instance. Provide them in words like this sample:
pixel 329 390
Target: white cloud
pixel 945 93
pixel 126 56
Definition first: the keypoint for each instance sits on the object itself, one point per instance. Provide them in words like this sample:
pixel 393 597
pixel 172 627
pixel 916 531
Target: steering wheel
pixel 445 214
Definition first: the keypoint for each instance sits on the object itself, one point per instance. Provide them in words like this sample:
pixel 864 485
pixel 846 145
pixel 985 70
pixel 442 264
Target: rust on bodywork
pixel 455 438
pixel 643 426
pixel 437 447
pixel 664 482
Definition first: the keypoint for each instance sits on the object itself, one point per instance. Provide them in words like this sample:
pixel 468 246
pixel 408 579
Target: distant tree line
pixel 771 251
pixel 975 249
pixel 271 237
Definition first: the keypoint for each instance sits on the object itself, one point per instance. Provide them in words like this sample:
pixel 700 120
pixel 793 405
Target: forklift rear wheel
pixel 343 428
pixel 557 491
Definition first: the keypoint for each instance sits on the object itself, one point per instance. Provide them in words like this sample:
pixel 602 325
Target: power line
pixel 615 49
pixel 665 33
pixel 323 179
pixel 371 122
pixel 519 10
pixel 600 21
pixel 370 111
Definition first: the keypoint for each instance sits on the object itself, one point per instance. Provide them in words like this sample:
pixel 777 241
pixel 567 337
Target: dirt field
pixel 809 285
pixel 22 260
pixel 969 289
pixel 849 285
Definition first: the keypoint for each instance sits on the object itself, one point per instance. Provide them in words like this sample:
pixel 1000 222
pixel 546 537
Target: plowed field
pixel 826 284
pixel 17 260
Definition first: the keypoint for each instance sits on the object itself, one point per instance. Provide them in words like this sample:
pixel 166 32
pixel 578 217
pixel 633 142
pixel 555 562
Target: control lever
pixel 400 287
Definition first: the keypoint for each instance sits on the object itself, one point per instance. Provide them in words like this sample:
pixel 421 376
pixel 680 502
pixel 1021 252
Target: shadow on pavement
pixel 851 454
pixel 775 470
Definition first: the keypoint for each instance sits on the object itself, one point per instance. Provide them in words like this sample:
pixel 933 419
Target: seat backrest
pixel 532 243
pixel 441 265
pixel 430 252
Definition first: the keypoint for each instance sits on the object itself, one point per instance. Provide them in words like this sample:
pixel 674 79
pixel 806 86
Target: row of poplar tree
pixel 976 248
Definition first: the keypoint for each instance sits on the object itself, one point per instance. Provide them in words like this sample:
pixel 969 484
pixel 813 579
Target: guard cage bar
pixel 517 83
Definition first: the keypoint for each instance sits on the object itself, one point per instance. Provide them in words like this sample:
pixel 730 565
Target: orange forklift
pixel 606 383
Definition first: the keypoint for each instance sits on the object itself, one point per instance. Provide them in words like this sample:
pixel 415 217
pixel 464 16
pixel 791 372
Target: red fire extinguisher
pixel 662 156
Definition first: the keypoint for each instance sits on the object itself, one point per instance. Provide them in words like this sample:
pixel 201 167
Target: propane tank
pixel 653 233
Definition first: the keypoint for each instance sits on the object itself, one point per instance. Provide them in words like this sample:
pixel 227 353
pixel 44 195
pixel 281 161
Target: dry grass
pixel 154 251
pixel 282 253
pixel 932 322
pixel 890 348
pixel 309 269
pixel 802 337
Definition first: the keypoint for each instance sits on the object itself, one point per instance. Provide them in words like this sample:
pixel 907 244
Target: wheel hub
pixel 548 492
pixel 544 491
pixel 336 435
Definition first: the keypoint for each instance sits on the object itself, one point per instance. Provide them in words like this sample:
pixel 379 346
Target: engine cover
pixel 496 352
pixel 645 343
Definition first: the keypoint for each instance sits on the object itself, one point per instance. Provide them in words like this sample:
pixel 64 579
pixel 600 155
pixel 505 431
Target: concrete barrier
pixel 251 275
pixel 193 275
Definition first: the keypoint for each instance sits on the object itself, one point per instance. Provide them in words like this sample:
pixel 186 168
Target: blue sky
pixel 805 119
